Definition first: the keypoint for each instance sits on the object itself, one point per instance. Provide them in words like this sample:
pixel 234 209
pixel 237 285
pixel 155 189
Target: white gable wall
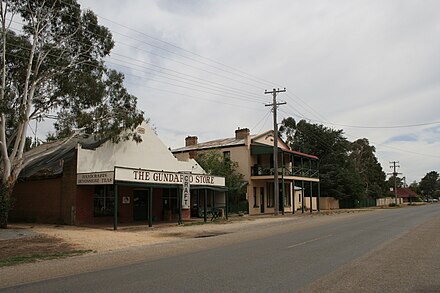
pixel 150 154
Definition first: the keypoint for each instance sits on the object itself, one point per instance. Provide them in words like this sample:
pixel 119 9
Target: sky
pixel 201 67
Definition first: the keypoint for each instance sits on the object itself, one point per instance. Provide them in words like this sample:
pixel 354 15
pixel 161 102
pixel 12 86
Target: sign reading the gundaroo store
pixel 95 178
pixel 162 177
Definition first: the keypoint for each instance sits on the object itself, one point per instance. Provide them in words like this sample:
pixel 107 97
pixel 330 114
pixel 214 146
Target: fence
pixel 388 200
pixel 241 206
pixel 349 203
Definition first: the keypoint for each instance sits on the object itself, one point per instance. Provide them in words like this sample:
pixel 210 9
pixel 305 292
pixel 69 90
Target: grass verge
pixel 14 260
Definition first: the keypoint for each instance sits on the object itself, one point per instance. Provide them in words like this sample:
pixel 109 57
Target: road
pixel 364 252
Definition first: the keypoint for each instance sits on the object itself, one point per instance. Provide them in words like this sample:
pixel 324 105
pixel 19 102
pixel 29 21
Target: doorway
pixel 140 205
pixel 262 200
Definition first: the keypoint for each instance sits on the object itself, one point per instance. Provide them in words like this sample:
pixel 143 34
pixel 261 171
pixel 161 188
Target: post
pixel 115 217
pixel 283 198
pixel 395 173
pixel 293 197
pixel 319 196
pixel 319 190
pixel 275 146
pixel 311 197
pixel 302 196
pixel 205 205
pixel 179 201
pixel 227 203
pixel 150 207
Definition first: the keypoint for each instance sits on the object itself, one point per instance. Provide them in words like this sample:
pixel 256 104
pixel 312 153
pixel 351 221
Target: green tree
pixel 430 184
pixel 215 164
pixel 55 62
pixel 338 175
pixel 368 167
pixel 414 186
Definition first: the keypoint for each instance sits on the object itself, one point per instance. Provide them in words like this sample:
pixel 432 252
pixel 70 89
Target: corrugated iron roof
pixel 218 143
pixel 45 159
pixel 227 142
pixel 406 192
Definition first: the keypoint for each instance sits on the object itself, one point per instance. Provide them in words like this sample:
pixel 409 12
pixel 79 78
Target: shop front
pixel 129 182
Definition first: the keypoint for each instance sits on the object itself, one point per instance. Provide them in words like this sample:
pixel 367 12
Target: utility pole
pixel 274 106
pixel 394 166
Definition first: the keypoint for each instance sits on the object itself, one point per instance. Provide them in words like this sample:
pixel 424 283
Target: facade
pixel 298 173
pixel 79 181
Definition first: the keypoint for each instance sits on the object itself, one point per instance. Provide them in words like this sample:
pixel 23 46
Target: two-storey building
pixel 298 173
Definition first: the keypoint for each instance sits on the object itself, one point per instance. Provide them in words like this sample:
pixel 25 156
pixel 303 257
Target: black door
pixel 140 205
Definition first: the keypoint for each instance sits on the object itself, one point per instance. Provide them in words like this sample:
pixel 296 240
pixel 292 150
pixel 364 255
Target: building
pixel 81 181
pixel 407 194
pixel 298 172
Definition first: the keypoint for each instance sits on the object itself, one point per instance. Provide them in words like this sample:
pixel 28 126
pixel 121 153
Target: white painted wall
pixel 150 154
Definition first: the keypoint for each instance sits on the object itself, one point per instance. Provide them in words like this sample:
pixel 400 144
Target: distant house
pixel 297 171
pixel 80 181
pixel 407 194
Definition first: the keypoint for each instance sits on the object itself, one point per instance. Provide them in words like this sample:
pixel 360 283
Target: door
pixel 262 200
pixel 140 205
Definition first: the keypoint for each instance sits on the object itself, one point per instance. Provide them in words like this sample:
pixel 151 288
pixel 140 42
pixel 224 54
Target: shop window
pixel 104 201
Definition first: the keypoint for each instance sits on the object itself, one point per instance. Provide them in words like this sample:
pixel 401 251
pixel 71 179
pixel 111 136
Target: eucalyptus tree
pixel 368 167
pixel 337 171
pixel 430 184
pixel 52 61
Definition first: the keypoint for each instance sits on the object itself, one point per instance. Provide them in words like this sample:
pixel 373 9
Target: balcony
pixel 296 171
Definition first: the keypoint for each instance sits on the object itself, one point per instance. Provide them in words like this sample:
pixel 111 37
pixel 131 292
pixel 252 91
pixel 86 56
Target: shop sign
pixel 186 191
pixel 161 177
pixel 95 178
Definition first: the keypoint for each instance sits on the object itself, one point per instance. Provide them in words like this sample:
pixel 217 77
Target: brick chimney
pixel 190 140
pixel 242 133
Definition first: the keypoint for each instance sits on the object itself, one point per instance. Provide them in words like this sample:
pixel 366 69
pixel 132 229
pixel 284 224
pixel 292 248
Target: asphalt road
pixel 339 255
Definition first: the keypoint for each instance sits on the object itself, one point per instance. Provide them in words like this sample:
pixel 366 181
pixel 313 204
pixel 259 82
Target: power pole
pixel 274 106
pixel 394 166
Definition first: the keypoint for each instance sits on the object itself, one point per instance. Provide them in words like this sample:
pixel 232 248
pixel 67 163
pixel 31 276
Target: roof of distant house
pixel 406 192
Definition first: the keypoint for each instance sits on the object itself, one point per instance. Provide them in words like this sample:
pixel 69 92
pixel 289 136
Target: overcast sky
pixel 201 67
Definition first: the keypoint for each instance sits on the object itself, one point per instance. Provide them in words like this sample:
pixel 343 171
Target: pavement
pixel 16 232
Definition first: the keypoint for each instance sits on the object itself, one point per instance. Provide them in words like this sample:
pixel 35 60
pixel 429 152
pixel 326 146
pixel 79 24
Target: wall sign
pixel 96 178
pixel 161 177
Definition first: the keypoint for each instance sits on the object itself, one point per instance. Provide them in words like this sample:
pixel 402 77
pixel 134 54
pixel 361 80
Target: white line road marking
pixel 309 241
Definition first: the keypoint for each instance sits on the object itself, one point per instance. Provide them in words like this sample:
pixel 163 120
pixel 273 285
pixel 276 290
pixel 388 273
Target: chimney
pixel 242 133
pixel 190 140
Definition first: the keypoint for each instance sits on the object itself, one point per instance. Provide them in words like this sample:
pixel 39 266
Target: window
pixel 227 156
pixel 104 201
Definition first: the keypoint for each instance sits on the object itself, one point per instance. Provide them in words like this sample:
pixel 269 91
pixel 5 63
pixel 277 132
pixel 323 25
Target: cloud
pixel 403 137
pixel 367 62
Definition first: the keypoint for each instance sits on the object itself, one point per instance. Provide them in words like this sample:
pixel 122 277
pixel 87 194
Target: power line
pixel 240 92
pixel 257 79
pixel 218 93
